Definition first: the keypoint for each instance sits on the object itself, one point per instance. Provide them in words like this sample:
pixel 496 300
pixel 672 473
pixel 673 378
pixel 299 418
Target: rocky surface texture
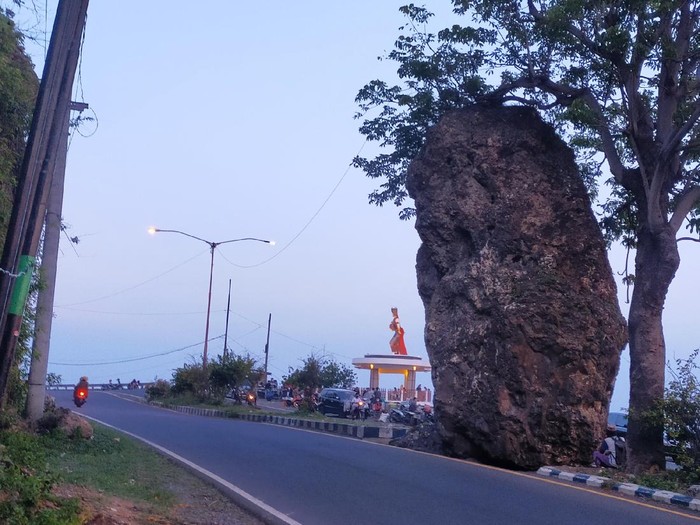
pixel 523 327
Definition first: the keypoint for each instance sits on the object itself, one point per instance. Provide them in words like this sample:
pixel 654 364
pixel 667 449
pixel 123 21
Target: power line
pixel 134 286
pixel 142 358
pixel 135 313
pixel 308 223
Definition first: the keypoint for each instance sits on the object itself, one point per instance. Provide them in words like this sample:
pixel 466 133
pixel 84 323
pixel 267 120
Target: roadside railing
pixel 102 386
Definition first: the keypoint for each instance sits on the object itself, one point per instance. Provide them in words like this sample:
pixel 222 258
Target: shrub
pixel 158 390
pixel 225 374
pixel 679 413
pixel 319 372
pixel 190 378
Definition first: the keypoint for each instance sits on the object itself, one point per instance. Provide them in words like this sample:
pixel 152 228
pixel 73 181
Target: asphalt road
pixel 315 478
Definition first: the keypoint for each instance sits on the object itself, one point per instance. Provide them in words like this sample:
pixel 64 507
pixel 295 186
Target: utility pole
pixel 29 206
pixel 36 393
pixel 267 345
pixel 228 308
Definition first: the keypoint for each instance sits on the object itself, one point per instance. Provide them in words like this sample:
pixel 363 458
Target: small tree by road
pixel 319 372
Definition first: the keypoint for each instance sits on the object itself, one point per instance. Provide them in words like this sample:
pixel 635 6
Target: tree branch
pixel 686 203
pixel 674 140
pixel 614 161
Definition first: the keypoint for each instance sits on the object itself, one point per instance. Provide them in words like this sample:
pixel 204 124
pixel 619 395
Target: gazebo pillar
pixel 409 382
pixel 374 378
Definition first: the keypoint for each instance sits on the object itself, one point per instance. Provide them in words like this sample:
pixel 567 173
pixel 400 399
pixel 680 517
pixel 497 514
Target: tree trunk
pixel 655 266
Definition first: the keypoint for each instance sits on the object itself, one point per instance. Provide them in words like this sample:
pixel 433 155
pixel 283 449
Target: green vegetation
pixel 679 415
pixel 194 386
pixel 319 372
pixel 199 386
pixel 18 90
pixel 32 466
pixel 27 481
pixel 111 463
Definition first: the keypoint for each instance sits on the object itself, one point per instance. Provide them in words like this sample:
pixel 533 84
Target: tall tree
pixel 620 80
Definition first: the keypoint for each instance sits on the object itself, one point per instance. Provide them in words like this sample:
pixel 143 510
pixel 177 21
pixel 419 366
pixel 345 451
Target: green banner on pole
pixel 21 289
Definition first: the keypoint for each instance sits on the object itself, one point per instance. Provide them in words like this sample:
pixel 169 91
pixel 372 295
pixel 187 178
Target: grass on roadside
pixel 26 482
pixel 113 464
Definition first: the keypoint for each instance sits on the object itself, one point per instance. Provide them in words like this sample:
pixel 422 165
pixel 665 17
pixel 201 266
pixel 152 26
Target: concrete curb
pixel 629 489
pixel 344 429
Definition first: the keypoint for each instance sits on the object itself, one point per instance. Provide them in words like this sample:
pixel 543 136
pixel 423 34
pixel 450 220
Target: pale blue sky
pixel 234 119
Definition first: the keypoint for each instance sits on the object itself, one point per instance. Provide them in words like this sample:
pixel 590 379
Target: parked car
pixel 620 421
pixel 335 401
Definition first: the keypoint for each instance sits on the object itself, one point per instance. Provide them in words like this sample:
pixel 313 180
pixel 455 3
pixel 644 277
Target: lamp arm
pixel 186 235
pixel 245 239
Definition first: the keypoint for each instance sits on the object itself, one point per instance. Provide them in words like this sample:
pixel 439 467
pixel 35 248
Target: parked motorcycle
pixel 403 417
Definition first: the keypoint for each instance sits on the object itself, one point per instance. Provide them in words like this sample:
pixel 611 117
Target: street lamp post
pixel 212 247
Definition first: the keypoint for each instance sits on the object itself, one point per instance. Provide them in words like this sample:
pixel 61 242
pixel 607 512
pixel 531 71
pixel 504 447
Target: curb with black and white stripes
pixel 630 489
pixel 357 431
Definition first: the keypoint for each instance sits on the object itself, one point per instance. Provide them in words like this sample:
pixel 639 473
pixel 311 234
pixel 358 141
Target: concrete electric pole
pixel 49 266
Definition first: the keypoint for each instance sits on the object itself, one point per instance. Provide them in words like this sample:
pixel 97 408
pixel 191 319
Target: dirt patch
pixel 196 504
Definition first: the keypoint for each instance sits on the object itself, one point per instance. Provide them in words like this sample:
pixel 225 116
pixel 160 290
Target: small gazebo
pixel 407 365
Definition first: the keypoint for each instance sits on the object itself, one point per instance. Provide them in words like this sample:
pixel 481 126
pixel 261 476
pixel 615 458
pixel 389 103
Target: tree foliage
pixel 191 379
pixel 18 89
pixel 679 414
pixel 594 69
pixel 225 374
pixel 319 372
pixel 219 377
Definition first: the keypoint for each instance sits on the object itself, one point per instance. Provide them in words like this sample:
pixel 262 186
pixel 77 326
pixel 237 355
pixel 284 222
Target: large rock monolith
pixel 523 326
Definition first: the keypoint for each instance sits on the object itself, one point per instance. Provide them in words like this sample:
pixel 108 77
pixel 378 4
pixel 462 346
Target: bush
pixel 319 372
pixel 224 374
pixel 679 413
pixel 191 379
pixel 158 390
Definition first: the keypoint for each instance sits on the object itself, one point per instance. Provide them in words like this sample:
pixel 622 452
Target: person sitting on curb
pixel 604 456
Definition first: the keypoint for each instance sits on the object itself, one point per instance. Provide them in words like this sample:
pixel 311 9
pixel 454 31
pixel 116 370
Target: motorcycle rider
pixel 357 407
pixel 82 386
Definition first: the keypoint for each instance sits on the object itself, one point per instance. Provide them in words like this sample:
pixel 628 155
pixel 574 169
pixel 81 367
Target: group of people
pixel 370 401
pixel 132 385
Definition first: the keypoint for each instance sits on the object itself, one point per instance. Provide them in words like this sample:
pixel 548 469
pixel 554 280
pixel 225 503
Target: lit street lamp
pixel 212 246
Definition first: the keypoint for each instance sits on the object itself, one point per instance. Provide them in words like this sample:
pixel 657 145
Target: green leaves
pixel 679 413
pixel 319 372
pixel 597 69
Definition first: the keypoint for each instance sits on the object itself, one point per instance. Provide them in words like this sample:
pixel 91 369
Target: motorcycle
pixel 359 410
pixel 251 398
pixel 403 417
pixel 80 397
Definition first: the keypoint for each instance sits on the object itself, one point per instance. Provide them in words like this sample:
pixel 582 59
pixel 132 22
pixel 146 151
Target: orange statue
pixel 396 343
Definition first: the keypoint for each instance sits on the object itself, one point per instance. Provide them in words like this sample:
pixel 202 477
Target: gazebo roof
pixel 391 363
